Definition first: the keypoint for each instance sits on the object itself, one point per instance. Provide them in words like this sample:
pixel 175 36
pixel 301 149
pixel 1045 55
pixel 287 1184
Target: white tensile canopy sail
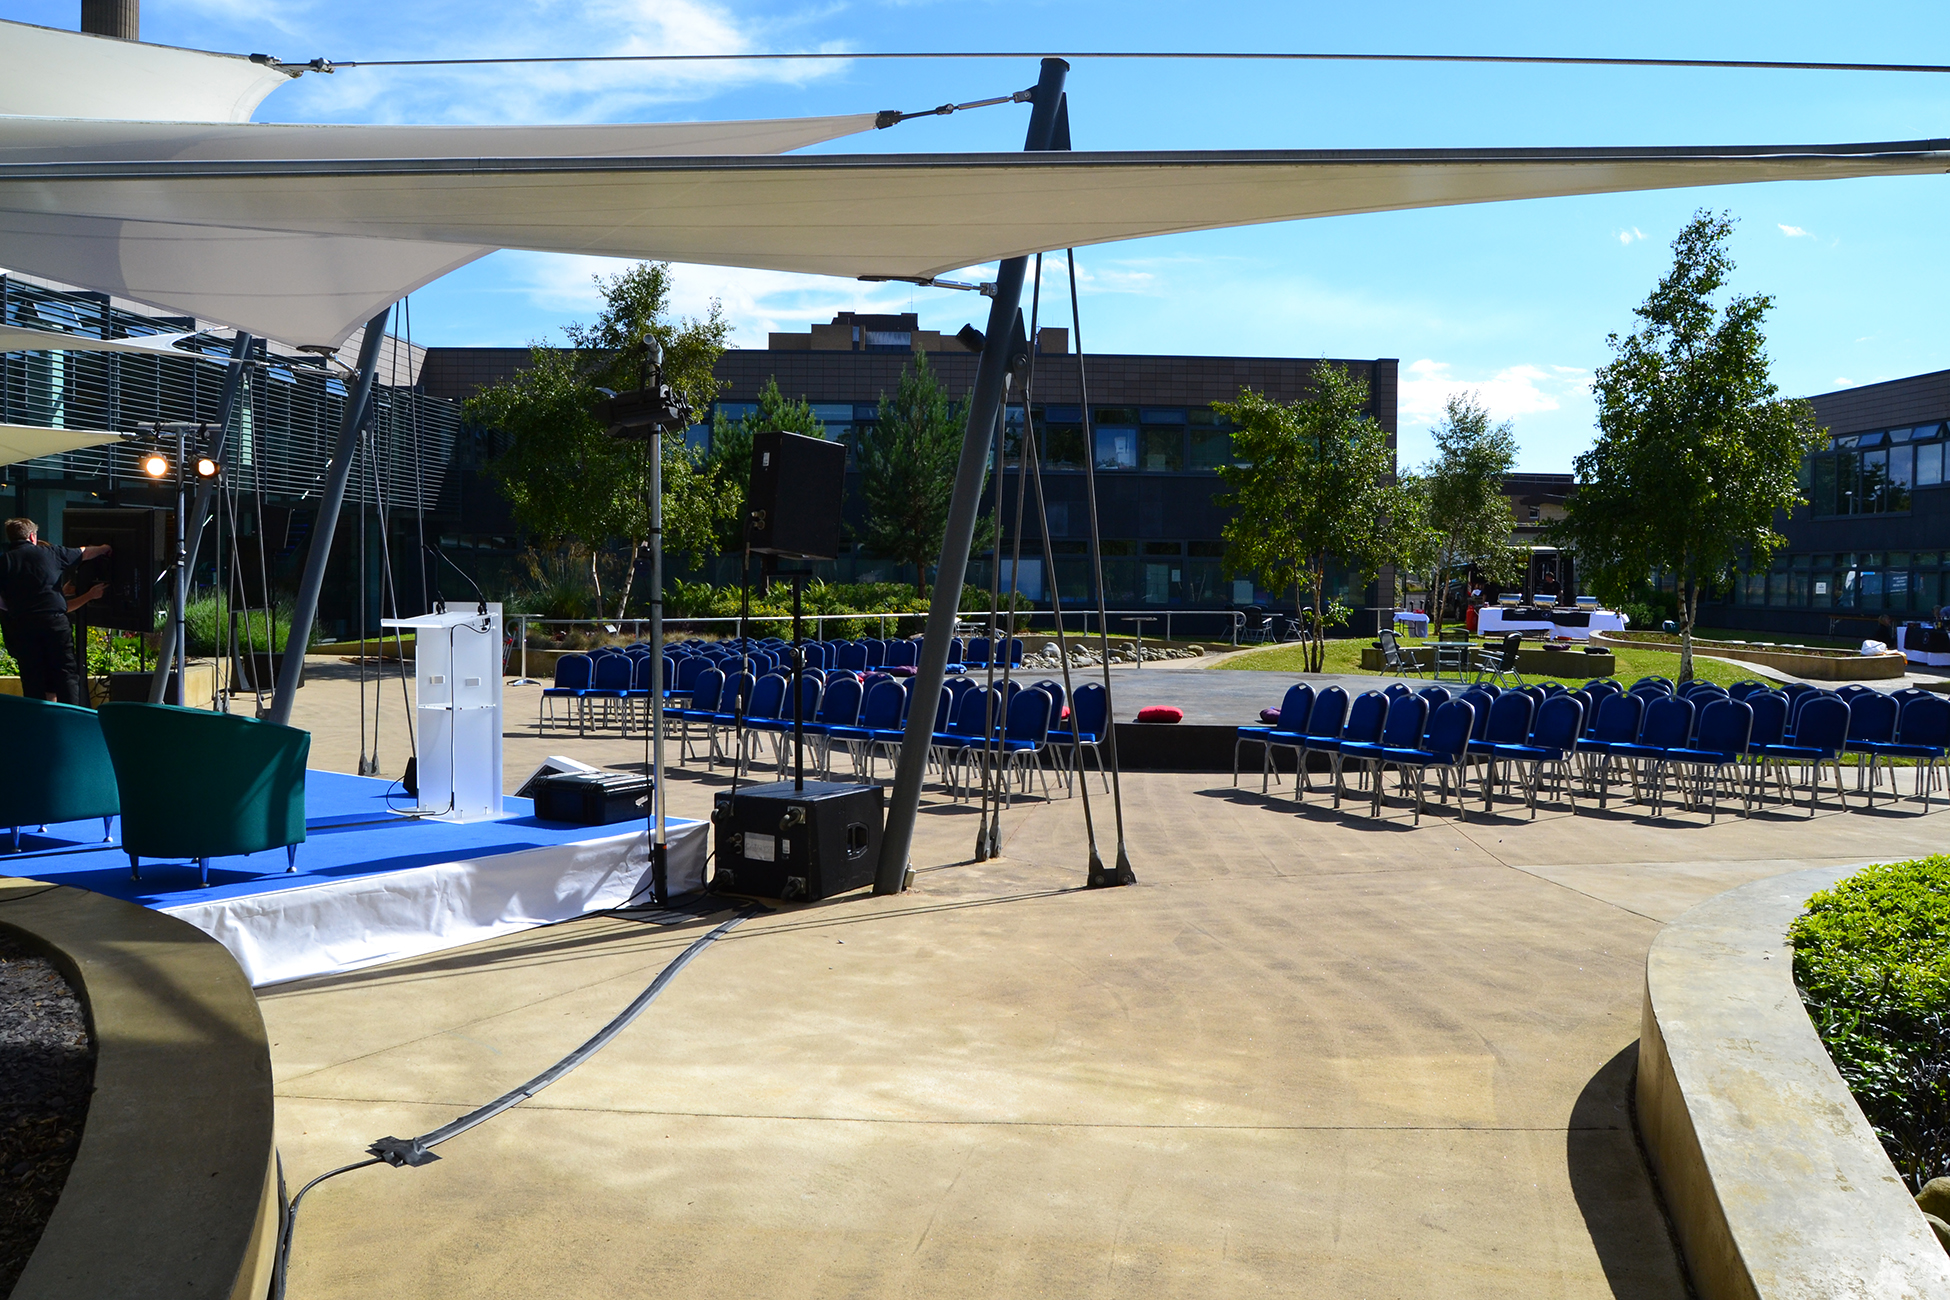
pixel 302 249
pixel 15 339
pixel 26 441
pixel 301 233
pixel 55 73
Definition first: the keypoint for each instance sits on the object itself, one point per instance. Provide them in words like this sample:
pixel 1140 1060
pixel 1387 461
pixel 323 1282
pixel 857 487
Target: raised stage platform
pixel 372 886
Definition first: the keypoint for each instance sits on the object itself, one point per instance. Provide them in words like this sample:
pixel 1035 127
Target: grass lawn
pixel 1344 656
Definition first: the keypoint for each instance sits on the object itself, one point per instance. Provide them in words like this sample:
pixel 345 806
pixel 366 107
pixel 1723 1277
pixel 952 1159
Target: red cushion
pixel 1161 713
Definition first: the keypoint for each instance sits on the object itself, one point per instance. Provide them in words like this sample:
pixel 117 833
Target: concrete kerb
pixel 1776 1184
pixel 173 1191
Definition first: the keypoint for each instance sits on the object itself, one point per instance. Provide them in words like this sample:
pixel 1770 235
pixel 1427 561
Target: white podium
pixel 457 712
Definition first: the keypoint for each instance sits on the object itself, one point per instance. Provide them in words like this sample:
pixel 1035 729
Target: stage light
pixel 155 465
pixel 206 468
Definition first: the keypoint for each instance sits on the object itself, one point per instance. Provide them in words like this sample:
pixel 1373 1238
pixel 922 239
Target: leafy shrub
pixel 1872 959
pixel 206 626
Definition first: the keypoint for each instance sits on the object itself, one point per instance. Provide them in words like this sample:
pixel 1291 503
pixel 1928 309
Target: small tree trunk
pixel 629 579
pixel 596 580
pixel 1438 588
pixel 1688 605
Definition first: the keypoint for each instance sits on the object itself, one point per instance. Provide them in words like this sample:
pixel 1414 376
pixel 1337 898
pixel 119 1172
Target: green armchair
pixel 59 769
pixel 203 785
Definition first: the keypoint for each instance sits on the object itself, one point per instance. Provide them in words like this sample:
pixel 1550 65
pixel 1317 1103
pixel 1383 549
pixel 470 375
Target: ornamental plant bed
pixel 1815 663
pixel 1872 962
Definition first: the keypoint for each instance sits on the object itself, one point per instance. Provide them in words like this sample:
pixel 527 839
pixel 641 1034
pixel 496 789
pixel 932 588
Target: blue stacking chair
pixel 1664 684
pixel 779 726
pixel 852 656
pixel 1402 728
pixel 768 697
pixel 1509 724
pixel 880 712
pixel 1395 690
pixel 611 687
pixel 572 677
pixel 1668 726
pixel 1723 736
pixel 1089 716
pixel 977 652
pixel 1770 709
pixel 1871 722
pixel 1437 696
pixel 839 706
pixel 1294 708
pixel 689 669
pixel 1816 735
pixel 1366 716
pixel 876 653
pixel 1025 736
pixel 902 654
pixel 978 717
pixel 1922 734
pixel 701 706
pixel 1746 686
pixel 733 699
pixel 1444 747
pixel 1620 716
pixel 1554 741
pixel 1054 690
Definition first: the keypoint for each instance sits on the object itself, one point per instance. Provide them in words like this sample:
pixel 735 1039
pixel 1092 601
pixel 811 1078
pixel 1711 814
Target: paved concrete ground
pixel 1308 1054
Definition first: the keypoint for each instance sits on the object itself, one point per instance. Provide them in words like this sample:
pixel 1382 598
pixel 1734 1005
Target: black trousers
pixel 43 646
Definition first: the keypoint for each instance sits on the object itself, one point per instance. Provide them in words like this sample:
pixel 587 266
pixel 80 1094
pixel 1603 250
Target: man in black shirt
pixel 36 619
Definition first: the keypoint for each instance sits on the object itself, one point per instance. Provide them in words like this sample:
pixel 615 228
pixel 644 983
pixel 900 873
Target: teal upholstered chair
pixel 204 785
pixel 57 766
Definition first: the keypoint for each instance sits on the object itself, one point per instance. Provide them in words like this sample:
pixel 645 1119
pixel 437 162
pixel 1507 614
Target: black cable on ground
pixel 404 1152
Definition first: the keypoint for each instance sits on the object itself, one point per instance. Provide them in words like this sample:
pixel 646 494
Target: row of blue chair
pixel 1705 739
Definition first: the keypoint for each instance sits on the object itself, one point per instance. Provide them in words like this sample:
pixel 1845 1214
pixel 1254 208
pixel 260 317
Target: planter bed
pixel 1796 661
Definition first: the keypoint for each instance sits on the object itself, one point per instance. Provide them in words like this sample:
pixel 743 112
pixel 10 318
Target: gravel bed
pixel 47 1071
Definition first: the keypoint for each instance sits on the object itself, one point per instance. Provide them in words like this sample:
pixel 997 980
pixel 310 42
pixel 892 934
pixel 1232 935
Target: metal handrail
pixel 1025 621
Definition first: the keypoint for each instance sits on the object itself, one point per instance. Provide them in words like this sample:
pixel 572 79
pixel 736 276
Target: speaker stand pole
pixel 985 405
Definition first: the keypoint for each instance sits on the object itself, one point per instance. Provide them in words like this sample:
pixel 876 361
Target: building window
pixel 1929 464
pixel 1164 449
pixel 1116 448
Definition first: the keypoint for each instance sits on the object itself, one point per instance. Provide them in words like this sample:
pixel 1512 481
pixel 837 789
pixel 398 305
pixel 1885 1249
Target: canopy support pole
pixel 357 402
pixel 985 406
pixel 233 381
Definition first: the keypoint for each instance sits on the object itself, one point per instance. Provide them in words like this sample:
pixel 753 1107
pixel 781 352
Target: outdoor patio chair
pixel 978 715
pixel 767 699
pixel 201 785
pixel 1501 662
pixel 733 700
pixel 902 654
pixel 1770 710
pixel 1663 683
pixel 1025 737
pixel 1668 726
pixel 702 706
pixel 1294 708
pixel 1437 696
pixel 778 728
pixel 880 714
pixel 1393 660
pixel 61 771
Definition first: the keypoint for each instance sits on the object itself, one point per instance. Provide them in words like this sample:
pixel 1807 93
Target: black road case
pixel 593 798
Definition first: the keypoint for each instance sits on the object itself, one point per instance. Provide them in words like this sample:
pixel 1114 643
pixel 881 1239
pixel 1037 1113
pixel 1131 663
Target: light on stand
pixel 206 468
pixel 155 465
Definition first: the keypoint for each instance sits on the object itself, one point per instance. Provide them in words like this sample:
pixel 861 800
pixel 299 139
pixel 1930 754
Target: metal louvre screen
pixel 282 430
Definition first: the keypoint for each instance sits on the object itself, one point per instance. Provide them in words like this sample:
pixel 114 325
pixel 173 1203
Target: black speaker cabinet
pixel 803 845
pixel 144 540
pixel 797 487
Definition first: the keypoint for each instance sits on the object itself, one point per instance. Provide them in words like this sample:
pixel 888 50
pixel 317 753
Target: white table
pixel 1418 622
pixel 1920 653
pixel 1493 620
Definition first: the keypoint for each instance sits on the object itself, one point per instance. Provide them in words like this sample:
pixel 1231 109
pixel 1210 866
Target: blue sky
pixel 1512 300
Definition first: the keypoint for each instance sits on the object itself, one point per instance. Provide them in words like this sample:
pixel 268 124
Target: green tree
pixel 731 447
pixel 907 470
pixel 1417 542
pixel 561 471
pixel 1466 505
pixel 1696 450
pixel 1315 483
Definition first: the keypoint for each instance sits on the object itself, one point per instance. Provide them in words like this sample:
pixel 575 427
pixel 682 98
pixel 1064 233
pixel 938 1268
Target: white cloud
pixel 1796 232
pixel 1512 393
pixel 1629 235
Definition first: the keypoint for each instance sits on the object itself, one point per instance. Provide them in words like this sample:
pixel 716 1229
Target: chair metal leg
pixel 290 858
pixel 135 866
pixel 108 832
pixel 203 872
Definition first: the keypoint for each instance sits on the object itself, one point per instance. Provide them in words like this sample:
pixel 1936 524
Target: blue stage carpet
pixel 372 886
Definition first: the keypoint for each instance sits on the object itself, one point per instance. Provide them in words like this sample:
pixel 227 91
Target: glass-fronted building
pixel 1868 552
pixel 1157 447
